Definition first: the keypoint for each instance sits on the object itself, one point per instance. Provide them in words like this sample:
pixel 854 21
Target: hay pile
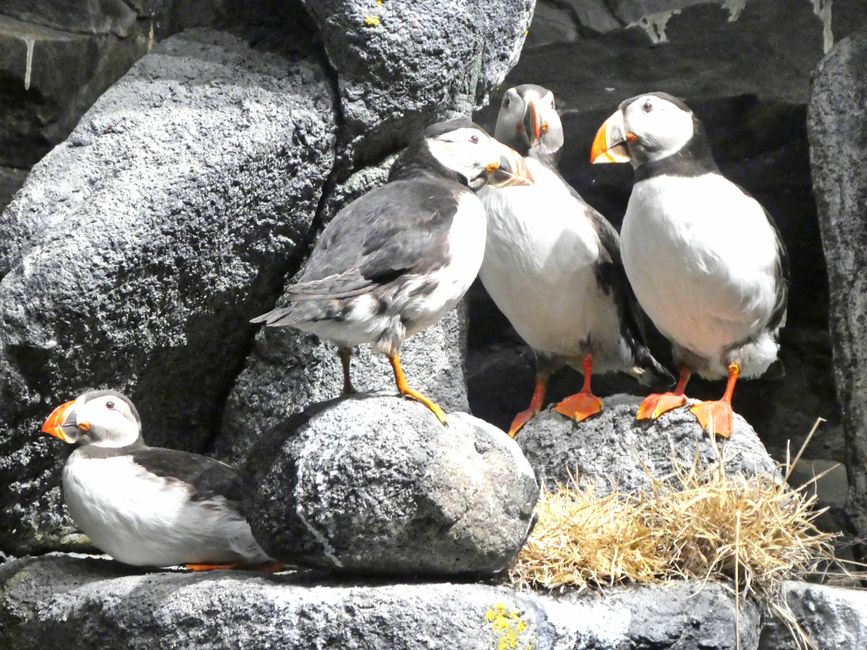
pixel 749 532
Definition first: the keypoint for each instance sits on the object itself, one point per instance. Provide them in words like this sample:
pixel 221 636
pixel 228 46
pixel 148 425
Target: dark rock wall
pixel 838 141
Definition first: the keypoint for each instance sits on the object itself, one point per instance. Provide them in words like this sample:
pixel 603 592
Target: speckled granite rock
pixel 614 451
pixel 375 484
pixel 59 601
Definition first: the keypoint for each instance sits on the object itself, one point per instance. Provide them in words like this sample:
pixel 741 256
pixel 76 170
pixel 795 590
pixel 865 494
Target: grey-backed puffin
pixel 397 259
pixel 148 506
pixel 552 266
pixel 704 257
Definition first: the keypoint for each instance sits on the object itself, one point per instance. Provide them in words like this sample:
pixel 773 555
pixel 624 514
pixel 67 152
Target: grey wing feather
pixel 399 228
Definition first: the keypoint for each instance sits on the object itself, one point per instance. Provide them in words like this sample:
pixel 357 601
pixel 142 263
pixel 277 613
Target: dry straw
pixel 751 533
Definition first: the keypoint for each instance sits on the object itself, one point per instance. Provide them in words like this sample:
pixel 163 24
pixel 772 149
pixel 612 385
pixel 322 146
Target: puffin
pixel 397 259
pixel 552 266
pixel 705 259
pixel 149 506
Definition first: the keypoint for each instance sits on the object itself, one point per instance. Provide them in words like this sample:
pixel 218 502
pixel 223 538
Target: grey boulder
pixel 834 617
pixel 47 602
pixel 403 65
pixel 837 125
pixel 614 451
pixel 138 249
pixel 375 484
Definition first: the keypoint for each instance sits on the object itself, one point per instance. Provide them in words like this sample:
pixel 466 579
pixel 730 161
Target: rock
pixel 834 617
pixel 613 451
pixel 92 17
pixel 375 484
pixel 138 249
pixel 837 124
pixel 49 77
pixel 11 180
pixel 288 371
pixel 404 65
pixel 46 601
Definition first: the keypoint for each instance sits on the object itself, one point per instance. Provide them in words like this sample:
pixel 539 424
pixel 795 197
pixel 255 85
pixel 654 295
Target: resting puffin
pixel 397 259
pixel 148 506
pixel 704 258
pixel 552 266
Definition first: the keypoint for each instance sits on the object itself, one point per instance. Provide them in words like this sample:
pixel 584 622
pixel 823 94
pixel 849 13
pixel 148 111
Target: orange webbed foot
pixel 656 404
pixel 579 406
pixel 521 419
pixel 716 418
pixel 214 567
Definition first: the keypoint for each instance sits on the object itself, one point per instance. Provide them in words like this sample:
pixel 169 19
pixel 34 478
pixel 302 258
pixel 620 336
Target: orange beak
pixel 609 145
pixel 532 125
pixel 53 426
pixel 511 169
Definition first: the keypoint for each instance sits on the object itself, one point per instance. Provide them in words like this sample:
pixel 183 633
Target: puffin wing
pixel 208 479
pixel 397 229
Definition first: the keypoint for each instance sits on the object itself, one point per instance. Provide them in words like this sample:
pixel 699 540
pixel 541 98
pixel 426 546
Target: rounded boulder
pixel 374 484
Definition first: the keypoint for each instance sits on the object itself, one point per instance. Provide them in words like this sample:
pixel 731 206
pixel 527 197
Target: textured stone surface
pixel 138 249
pixel 45 602
pixel 838 140
pixel 404 65
pixel 614 451
pixel 834 617
pixel 375 484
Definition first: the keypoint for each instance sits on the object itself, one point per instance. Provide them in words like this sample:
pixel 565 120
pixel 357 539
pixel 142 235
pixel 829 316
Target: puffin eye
pixel 109 405
pixel 647 106
pixel 506 102
pixel 474 139
pixel 552 103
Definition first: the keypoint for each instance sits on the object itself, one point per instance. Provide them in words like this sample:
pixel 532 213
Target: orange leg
pixel 656 404
pixel 583 404
pixel 406 391
pixel 345 358
pixel 215 567
pixel 717 418
pixel 535 403
pixel 267 567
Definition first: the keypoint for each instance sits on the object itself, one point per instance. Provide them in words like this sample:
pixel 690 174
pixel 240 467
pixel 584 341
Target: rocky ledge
pixel 46 601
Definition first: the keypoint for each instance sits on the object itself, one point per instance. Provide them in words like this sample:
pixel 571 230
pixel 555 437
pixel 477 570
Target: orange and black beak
pixel 534 126
pixel 511 169
pixel 62 423
pixel 609 145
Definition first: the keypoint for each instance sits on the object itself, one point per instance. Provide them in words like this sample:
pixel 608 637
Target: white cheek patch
pixel 461 155
pixel 664 130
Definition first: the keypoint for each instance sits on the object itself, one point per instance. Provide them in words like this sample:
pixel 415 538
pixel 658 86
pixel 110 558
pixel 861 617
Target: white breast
pixel 700 255
pixel 539 264
pixel 141 519
pixel 466 241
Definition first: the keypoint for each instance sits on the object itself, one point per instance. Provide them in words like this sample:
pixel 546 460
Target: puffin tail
pixel 649 372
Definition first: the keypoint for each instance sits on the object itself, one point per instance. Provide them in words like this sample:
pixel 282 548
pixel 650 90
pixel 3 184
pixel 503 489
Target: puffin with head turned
pixel 149 506
pixel 552 266
pixel 397 259
pixel 704 257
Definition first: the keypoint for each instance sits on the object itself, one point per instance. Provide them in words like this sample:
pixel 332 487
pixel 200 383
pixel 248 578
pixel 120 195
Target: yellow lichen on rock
pixel 508 627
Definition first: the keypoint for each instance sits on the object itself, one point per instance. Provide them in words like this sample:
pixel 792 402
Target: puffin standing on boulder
pixel 704 258
pixel 397 259
pixel 552 266
pixel 149 506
